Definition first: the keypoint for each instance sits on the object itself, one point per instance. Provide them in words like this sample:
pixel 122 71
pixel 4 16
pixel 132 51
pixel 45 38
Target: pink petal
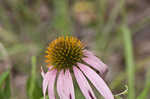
pixel 49 75
pixel 42 72
pixel 45 83
pixel 51 83
pixel 65 85
pixel 95 62
pixel 97 81
pixel 83 84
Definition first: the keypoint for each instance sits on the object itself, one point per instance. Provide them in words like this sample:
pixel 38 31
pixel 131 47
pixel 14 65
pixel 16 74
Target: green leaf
pixel 3 77
pixel 5 90
pixel 122 93
pixel 33 85
pixel 31 79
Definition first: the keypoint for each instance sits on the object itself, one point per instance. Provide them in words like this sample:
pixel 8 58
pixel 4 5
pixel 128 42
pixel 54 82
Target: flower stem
pixel 33 77
pixel 144 94
pixel 129 60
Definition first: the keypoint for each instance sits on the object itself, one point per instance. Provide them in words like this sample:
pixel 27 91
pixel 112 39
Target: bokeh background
pixel 117 31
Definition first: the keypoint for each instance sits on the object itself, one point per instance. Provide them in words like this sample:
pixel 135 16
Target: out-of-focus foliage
pixel 117 31
pixel 5 90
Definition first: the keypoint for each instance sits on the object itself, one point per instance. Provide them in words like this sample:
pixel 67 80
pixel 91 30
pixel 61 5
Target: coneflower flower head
pixel 64 52
pixel 67 54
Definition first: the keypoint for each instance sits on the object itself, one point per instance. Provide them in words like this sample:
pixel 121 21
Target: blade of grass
pixel 130 68
pixel 104 33
pixel 3 77
pixel 146 90
pixel 112 18
pixel 33 77
pixel 7 88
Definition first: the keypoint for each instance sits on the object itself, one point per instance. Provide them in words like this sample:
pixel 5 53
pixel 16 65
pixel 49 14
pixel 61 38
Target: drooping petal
pixel 83 84
pixel 51 83
pixel 65 85
pixel 49 75
pixel 97 81
pixel 95 62
pixel 45 83
pixel 42 72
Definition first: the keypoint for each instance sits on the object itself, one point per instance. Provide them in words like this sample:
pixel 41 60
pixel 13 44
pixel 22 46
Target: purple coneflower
pixel 66 56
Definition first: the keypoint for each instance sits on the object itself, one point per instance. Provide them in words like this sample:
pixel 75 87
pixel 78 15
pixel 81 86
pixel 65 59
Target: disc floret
pixel 64 52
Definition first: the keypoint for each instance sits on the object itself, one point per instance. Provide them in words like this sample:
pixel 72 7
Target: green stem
pixel 129 60
pixel 146 90
pixel 33 77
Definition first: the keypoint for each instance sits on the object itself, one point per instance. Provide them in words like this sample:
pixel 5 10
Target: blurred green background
pixel 118 31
